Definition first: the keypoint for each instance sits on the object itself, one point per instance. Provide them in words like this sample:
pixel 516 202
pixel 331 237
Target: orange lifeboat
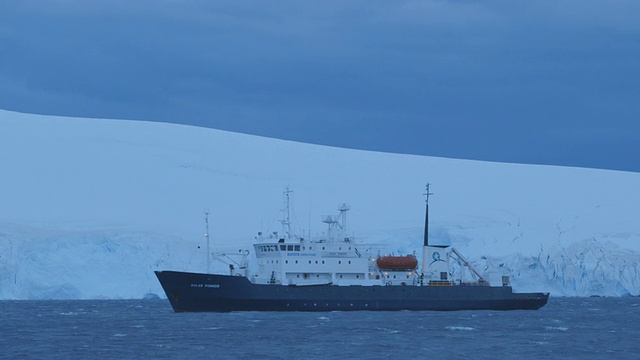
pixel 408 262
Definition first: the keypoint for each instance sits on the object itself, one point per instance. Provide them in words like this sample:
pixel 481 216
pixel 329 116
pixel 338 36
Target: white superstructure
pixel 310 263
pixel 336 259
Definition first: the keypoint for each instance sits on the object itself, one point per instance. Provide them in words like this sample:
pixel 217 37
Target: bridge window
pixel 283 247
pixel 297 247
pixel 289 247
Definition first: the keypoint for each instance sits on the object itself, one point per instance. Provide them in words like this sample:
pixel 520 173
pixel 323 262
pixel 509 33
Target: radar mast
pixel 286 222
pixel 339 221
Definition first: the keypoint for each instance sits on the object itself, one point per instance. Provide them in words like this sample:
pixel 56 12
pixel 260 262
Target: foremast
pixel 435 267
pixel 435 259
pixel 286 221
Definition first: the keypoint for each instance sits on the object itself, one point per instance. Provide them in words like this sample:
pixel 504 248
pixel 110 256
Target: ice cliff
pixel 89 207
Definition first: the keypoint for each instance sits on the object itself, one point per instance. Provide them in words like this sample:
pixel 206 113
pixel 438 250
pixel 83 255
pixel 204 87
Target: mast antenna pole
pixel 425 246
pixel 427 194
pixel 206 234
pixel 426 219
pixel 286 223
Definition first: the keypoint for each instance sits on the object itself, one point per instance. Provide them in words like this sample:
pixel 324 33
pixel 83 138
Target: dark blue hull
pixel 193 292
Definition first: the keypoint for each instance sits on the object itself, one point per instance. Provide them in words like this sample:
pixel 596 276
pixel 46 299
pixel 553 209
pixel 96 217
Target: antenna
pixel 427 194
pixel 426 217
pixel 286 222
pixel 309 222
pixel 206 234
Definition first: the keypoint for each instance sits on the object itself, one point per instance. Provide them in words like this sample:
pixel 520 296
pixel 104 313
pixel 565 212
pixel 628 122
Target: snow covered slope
pixel 89 208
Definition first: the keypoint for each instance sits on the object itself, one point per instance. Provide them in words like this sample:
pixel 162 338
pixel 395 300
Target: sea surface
pixel 567 328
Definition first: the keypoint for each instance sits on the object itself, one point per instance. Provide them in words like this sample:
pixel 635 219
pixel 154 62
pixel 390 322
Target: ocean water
pixel 567 328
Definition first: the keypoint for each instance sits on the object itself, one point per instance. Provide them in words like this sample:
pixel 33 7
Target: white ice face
pixel 90 208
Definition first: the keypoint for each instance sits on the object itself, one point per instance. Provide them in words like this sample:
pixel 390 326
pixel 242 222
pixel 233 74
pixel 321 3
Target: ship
pixel 335 273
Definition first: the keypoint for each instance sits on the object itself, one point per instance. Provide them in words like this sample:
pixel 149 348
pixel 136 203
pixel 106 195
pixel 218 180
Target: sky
pixel 542 82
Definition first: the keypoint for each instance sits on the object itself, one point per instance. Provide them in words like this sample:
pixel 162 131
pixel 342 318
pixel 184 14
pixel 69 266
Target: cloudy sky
pixel 544 82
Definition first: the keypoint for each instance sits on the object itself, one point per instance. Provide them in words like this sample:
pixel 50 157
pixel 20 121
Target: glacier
pixel 89 208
